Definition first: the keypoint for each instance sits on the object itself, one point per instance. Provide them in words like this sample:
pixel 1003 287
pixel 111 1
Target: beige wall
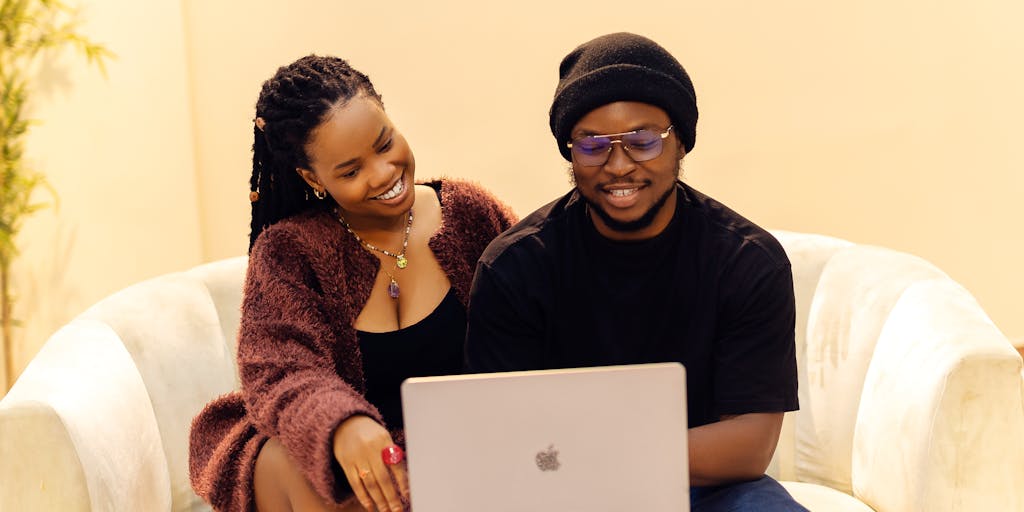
pixel 118 151
pixel 890 123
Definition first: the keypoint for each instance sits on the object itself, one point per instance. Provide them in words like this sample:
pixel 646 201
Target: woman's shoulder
pixel 467 200
pixel 459 185
pixel 299 233
pixel 459 190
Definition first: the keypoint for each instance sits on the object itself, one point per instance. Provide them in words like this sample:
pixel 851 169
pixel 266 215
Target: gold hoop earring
pixel 320 194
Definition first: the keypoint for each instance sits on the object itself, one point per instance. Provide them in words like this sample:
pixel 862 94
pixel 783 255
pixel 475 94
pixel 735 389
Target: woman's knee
pixel 280 486
pixel 270 461
pixel 270 478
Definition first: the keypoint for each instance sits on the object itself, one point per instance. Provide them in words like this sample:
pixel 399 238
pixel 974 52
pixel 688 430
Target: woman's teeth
pixel 395 190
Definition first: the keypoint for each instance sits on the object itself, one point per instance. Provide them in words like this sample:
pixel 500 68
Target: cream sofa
pixel 911 399
pixel 99 419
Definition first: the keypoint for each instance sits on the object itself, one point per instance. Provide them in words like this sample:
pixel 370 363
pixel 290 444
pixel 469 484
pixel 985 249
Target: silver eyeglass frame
pixel 618 140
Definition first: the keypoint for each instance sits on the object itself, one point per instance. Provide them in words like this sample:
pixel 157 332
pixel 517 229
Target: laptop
pixel 589 439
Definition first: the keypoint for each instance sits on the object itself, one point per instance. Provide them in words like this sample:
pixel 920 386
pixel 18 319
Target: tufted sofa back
pixel 902 379
pixel 99 419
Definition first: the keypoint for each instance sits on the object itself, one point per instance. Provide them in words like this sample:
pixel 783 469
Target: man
pixel 634 266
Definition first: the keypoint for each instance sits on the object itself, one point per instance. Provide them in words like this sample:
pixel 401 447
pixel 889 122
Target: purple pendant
pixel 393 289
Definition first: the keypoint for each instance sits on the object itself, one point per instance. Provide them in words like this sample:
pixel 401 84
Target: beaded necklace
pixel 400 260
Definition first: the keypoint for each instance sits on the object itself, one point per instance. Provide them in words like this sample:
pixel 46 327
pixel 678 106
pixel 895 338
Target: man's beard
pixel 630 226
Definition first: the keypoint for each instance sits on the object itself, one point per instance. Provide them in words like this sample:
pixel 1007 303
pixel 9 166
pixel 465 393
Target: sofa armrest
pixel 77 430
pixel 940 419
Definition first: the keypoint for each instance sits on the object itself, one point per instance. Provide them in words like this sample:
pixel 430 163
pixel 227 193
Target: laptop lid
pixel 610 438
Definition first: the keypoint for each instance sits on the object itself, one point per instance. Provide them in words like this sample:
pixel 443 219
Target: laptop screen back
pixel 610 438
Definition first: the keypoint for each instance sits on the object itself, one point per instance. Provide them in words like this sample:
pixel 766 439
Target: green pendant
pixel 402 262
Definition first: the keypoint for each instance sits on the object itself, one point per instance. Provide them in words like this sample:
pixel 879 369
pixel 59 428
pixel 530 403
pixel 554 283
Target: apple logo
pixel 547 460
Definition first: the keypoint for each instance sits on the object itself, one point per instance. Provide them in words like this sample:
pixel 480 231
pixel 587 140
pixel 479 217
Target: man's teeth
pixel 395 190
pixel 623 192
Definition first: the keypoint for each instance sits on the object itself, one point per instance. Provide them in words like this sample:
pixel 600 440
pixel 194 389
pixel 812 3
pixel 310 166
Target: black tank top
pixel 432 346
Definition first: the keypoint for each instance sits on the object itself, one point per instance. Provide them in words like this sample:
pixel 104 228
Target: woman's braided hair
pixel 291 105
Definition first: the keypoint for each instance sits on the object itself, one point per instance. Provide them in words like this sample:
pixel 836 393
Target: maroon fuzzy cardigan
pixel 298 356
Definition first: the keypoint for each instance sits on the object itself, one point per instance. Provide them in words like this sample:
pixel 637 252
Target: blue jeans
pixel 762 495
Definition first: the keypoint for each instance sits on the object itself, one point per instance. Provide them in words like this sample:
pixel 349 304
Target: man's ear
pixel 309 177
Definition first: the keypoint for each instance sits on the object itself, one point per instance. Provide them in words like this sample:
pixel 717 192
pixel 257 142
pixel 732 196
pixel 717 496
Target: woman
pixel 350 289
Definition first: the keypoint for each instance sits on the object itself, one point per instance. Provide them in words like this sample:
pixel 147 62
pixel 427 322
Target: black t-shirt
pixel 712 291
pixel 432 346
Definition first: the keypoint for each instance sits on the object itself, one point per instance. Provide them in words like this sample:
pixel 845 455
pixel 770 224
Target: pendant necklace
pixel 400 260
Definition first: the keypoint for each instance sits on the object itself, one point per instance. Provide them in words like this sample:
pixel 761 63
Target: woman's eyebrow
pixel 346 163
pixel 380 136
pixel 376 142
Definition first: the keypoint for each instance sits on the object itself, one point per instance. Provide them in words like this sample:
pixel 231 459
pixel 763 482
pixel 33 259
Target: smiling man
pixel 635 266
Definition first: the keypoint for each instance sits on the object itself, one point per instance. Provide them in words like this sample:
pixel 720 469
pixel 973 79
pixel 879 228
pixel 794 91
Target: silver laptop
pixel 590 439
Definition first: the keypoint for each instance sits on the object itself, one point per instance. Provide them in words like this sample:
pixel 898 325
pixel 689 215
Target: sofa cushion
pixel 858 287
pixel 224 279
pixel 818 498
pixel 171 328
pixel 808 254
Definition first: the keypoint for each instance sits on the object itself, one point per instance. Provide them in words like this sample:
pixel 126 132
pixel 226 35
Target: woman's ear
pixel 309 177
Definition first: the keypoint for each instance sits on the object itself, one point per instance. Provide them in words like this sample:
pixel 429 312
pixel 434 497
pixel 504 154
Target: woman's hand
pixel 358 443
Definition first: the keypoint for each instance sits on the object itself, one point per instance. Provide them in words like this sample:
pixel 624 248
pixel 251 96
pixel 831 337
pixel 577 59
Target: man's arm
pixel 756 378
pixel 737 448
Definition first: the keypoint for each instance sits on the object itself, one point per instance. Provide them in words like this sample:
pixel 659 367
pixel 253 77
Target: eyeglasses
pixel 640 145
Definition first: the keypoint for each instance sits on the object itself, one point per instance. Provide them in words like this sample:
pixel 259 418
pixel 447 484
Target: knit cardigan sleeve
pixel 288 360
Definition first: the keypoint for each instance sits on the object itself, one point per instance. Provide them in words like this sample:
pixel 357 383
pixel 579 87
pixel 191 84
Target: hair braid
pixel 291 105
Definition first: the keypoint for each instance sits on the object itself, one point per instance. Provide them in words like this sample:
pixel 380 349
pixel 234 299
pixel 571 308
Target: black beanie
pixel 622 67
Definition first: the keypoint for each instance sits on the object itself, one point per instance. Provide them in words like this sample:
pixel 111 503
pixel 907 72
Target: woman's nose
pixel 383 172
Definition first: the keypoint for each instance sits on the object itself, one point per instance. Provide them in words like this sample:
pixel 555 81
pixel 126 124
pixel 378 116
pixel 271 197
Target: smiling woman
pixel 347 294
pixel 363 163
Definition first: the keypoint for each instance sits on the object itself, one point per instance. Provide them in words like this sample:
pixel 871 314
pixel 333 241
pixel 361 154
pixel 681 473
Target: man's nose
pixel 619 162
